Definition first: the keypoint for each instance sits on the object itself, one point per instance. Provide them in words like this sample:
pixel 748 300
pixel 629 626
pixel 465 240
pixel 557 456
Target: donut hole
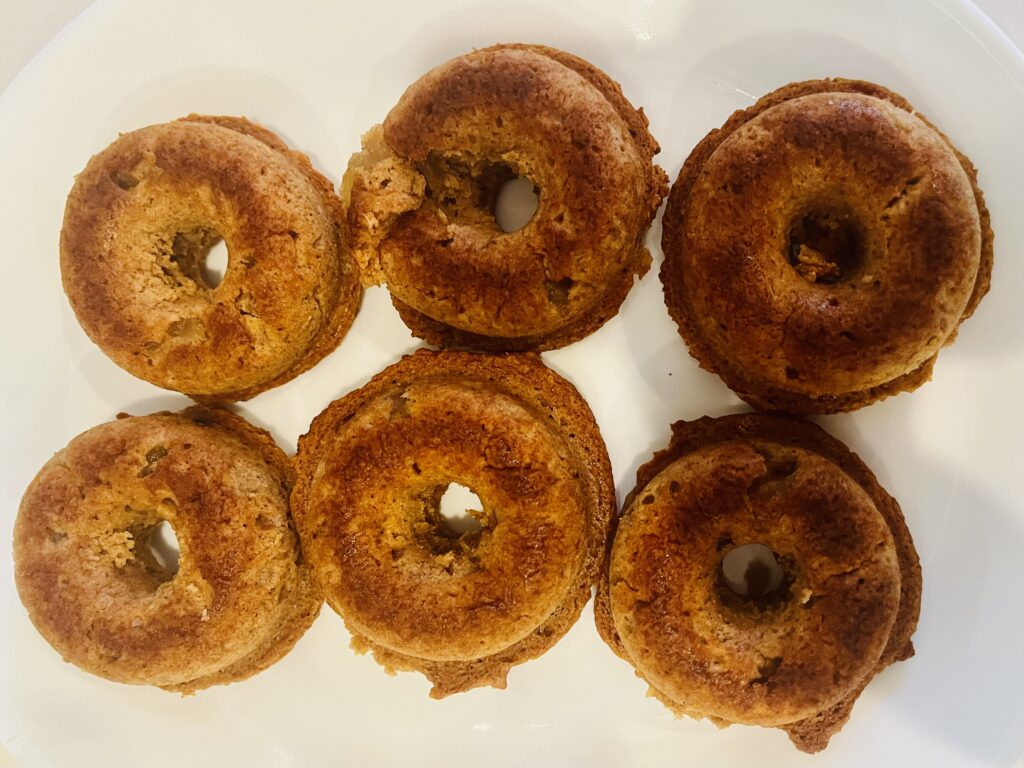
pixel 825 246
pixel 215 265
pixel 481 193
pixel 158 552
pixel 515 204
pixel 201 255
pixel 461 510
pixel 752 572
pixel 453 525
pixel 511 199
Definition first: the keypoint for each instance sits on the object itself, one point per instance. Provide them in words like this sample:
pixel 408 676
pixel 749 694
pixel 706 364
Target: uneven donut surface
pixel 139 223
pixel 794 657
pixel 460 608
pixel 822 246
pixel 242 594
pixel 421 194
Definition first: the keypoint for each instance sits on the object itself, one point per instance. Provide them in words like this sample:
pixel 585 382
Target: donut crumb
pixel 766 669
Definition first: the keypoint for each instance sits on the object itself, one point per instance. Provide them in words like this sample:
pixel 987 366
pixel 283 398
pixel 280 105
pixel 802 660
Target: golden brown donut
pixel 420 200
pixel 242 594
pixel 795 656
pixel 822 246
pixel 141 219
pixel 460 609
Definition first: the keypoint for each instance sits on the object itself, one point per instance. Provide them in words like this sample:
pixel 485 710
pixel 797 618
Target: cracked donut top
pixel 823 246
pixel 420 200
pixel 109 601
pixel 793 651
pixel 139 223
pixel 459 606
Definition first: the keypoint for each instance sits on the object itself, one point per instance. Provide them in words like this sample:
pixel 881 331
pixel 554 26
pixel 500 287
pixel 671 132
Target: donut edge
pixel 811 734
pixel 546 393
pixel 770 398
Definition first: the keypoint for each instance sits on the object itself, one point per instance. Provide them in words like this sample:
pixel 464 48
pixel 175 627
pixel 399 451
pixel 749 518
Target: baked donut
pixel 86 571
pixel 139 223
pixel 461 608
pixel 791 652
pixel 822 246
pixel 420 200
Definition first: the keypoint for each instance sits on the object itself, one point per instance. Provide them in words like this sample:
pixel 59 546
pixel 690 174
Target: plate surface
pixel 321 73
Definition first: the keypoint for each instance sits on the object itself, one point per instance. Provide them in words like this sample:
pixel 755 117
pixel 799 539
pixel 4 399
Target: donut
pixel 793 652
pixel 823 246
pixel 460 608
pixel 420 200
pixel 139 223
pixel 85 567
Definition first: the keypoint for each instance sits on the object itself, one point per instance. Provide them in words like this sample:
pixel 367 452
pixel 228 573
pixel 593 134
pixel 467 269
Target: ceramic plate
pixel 320 73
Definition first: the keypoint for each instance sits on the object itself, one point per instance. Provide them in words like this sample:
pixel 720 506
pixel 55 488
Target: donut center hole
pixel 215 264
pixel 515 204
pixel 825 246
pixel 201 255
pixel 478 193
pixel 159 551
pixel 461 510
pixel 511 199
pixel 752 572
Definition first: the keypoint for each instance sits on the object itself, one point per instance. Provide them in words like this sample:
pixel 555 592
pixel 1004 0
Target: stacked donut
pixel 421 195
pixel 139 223
pixel 820 248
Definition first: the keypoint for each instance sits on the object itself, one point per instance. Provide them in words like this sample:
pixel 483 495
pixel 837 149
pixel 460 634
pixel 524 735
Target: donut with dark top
pixel 460 607
pixel 420 200
pixel 823 246
pixel 793 653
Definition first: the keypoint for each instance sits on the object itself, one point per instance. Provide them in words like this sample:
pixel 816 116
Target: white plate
pixel 320 73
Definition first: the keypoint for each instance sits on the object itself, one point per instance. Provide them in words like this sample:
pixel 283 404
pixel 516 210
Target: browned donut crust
pixel 460 609
pixel 772 318
pixel 141 219
pixel 724 482
pixel 242 595
pixel 420 200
